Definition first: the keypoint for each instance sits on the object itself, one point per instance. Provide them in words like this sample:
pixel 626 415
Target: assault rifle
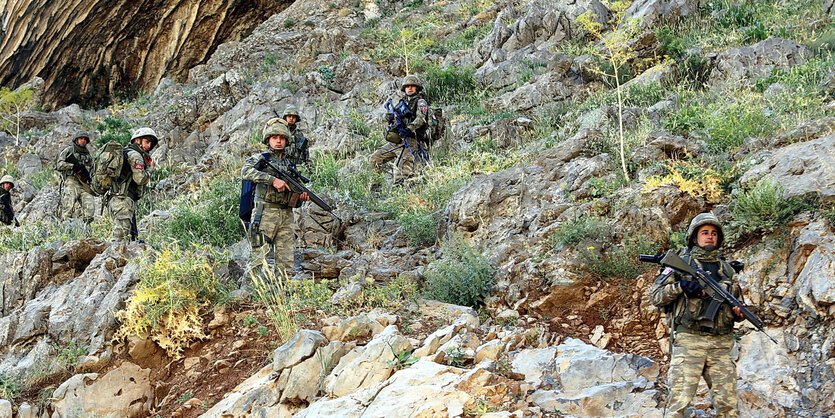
pixel 718 295
pixel 397 123
pixel 79 171
pixel 295 180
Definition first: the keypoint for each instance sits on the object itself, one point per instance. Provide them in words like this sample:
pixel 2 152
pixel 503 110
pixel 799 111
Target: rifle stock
pixel 713 288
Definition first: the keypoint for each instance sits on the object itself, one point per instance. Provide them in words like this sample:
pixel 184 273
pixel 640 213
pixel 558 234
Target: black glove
pixel 76 168
pixel 390 117
pixel 691 288
pixel 16 223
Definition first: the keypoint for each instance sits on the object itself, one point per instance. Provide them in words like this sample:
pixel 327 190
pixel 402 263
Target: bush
pixel 462 276
pixel 174 286
pixel 620 261
pixel 450 85
pixel 571 232
pixel 762 208
pixel 113 129
pixel 419 227
pixel 210 218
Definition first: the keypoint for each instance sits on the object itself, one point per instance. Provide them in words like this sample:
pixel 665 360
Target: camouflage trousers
pixel 122 210
pixel 76 202
pixel 695 356
pixel 381 156
pixel 272 240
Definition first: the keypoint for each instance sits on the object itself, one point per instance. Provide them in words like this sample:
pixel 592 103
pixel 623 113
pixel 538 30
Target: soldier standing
pixel 700 347
pixel 298 147
pixel 130 186
pixel 75 165
pixel 416 120
pixel 6 209
pixel 271 230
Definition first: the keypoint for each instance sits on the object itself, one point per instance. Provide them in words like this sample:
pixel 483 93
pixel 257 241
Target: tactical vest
pixel 689 311
pixel 83 157
pixel 266 192
pixel 296 149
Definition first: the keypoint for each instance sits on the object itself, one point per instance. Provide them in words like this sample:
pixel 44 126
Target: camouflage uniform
pixel 700 347
pixel 130 186
pixel 74 190
pixel 6 208
pixel 419 109
pixel 298 147
pixel 271 230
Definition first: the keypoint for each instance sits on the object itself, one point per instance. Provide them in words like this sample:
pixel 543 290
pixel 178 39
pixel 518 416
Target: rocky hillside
pixel 502 280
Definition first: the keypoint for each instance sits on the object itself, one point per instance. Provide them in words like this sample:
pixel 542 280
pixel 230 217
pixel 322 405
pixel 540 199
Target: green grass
pixel 762 208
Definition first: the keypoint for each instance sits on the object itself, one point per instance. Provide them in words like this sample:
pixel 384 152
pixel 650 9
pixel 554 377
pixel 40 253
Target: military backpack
pixel 107 167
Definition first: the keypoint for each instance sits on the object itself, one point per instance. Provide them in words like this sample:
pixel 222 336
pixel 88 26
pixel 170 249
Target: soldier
pixel 416 121
pixel 75 165
pixel 700 347
pixel 130 185
pixel 298 147
pixel 271 230
pixel 6 209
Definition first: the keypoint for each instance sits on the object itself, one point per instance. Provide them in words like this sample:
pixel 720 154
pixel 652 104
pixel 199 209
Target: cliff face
pixel 90 51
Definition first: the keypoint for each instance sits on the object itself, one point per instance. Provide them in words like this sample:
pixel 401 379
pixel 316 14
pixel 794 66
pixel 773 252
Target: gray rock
pixel 6 409
pixel 741 67
pixel 661 12
pixel 802 168
pixel 123 392
pixel 299 347
pixel 367 366
pixel 29 164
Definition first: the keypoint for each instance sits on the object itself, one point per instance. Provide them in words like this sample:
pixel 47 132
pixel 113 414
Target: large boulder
pixel 588 381
pixel 661 12
pixel 743 66
pixel 123 392
pixel 803 168
pixel 367 366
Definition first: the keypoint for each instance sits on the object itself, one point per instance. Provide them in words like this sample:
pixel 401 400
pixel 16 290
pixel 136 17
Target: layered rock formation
pixel 88 51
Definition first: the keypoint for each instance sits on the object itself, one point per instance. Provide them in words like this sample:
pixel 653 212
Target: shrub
pixel 419 227
pixel 620 261
pixel 762 208
pixel 327 73
pixel 210 217
pixel 357 123
pixel 450 85
pixel 462 276
pixel 671 44
pixel 289 23
pixel 174 286
pixel 113 129
pixel 571 232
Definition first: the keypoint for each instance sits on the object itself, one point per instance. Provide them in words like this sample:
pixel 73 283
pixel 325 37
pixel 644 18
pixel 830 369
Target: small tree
pixel 616 50
pixel 12 104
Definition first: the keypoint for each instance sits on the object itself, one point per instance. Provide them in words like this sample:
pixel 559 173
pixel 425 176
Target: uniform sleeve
pixel 665 290
pixel 140 175
pixel 62 164
pixel 250 171
pixel 420 115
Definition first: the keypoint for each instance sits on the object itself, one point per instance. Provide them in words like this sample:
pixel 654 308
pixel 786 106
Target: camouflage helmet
pixel 7 179
pixel 275 126
pixel 701 219
pixel 81 134
pixel 291 110
pixel 147 133
pixel 412 80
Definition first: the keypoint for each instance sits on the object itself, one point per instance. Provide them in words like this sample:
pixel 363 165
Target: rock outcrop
pixel 90 51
